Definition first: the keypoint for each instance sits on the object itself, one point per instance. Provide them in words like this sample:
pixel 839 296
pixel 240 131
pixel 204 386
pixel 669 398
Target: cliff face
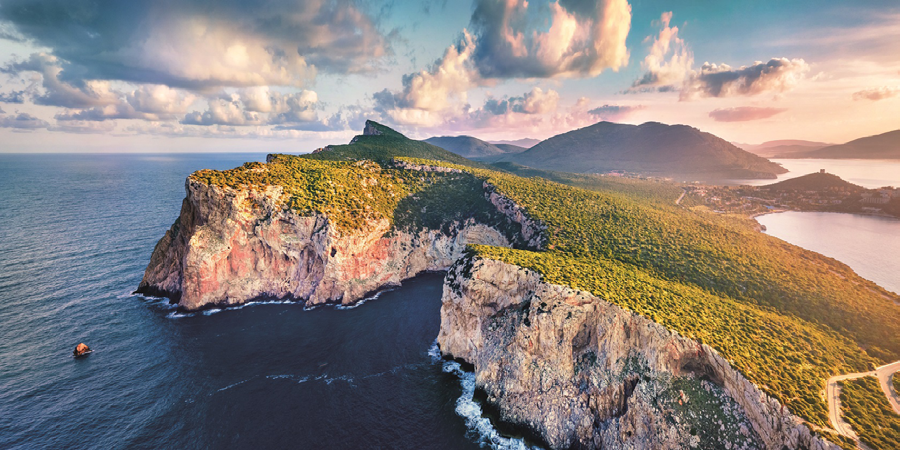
pixel 585 373
pixel 230 246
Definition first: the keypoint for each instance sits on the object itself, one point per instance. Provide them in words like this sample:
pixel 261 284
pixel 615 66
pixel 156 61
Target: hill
pixel 784 318
pixel 381 143
pixel 651 148
pixel 510 148
pixel 525 142
pixel 782 148
pixel 471 147
pixel 881 146
pixel 818 181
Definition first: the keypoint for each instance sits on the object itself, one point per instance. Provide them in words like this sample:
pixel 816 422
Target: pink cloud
pixel 743 113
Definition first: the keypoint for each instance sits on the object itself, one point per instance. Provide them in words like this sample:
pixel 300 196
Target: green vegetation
pixel 386 147
pixel 780 314
pixel 786 318
pixel 864 406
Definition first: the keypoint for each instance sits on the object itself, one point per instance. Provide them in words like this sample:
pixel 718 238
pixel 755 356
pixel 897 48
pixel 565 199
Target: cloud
pixel 744 113
pixel 23 121
pixel 435 89
pixel 147 102
pixel 224 111
pixel 535 101
pixel 83 126
pixel 202 44
pixel 660 72
pixel 12 97
pixel 82 94
pixel 260 106
pixel 584 38
pixel 875 94
pixel 776 75
pixel 614 113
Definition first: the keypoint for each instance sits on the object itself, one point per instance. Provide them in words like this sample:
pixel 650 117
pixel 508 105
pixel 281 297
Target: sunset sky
pixel 291 76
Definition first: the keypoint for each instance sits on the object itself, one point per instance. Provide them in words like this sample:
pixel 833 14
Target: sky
pixel 293 76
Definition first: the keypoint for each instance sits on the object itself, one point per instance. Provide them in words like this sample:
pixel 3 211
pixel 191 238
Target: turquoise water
pixel 77 232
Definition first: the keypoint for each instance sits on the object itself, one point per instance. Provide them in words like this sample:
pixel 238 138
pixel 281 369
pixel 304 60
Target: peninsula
pixel 594 311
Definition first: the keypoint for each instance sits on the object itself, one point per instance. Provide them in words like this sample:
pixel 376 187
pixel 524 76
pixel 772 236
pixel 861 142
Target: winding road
pixel 833 395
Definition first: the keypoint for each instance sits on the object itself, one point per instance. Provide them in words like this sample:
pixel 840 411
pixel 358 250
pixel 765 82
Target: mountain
pixel 881 146
pixel 510 148
pixel 471 147
pixel 525 142
pixel 782 148
pixel 818 181
pixel 652 148
pixel 583 305
pixel 381 143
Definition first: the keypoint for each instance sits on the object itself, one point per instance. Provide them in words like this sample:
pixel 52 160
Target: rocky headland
pixel 575 369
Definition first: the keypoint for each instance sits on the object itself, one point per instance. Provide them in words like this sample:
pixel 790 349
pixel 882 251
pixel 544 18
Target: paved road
pixel 833 395
pixel 678 202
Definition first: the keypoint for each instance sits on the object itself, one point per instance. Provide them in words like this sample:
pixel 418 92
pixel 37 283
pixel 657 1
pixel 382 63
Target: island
pixel 594 311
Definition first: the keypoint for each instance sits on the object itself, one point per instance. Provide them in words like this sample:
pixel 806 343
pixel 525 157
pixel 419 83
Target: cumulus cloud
pixel 743 113
pixel 614 113
pixel 57 92
pixel 777 75
pixel 875 94
pixel 202 44
pixel 261 106
pixel 583 39
pixel 12 97
pixel 224 111
pixel 435 89
pixel 668 62
pixel 22 121
pixel 535 101
pixel 148 102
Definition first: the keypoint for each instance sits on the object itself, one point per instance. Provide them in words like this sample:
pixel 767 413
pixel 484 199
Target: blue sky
pixel 287 75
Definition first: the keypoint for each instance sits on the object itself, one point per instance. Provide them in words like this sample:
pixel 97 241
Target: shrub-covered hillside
pixel 785 317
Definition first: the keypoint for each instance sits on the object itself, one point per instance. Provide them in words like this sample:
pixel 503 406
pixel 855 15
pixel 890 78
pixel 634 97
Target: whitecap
pixel 233 385
pixel 360 302
pixel 479 427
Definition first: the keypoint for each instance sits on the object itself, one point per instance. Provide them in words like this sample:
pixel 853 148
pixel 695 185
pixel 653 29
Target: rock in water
pixel 81 349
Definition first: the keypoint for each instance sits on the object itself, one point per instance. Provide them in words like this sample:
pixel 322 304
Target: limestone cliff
pixel 584 373
pixel 230 246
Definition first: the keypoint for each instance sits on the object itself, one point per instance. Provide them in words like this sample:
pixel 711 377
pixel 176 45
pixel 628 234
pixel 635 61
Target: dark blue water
pixel 76 232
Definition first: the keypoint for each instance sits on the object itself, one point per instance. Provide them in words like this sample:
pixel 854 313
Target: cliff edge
pixel 585 373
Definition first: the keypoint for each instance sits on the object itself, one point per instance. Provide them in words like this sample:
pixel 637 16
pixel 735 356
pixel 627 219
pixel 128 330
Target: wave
pixel 480 428
pixel 360 302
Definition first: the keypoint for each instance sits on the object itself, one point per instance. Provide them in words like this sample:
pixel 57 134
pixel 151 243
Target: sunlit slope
pixel 786 317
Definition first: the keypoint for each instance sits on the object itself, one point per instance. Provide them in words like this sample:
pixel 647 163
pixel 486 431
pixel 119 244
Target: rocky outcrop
pixel 584 373
pixel 230 246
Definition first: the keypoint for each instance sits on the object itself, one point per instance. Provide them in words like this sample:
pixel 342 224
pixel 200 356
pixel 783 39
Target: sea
pixel 870 245
pixel 867 173
pixel 77 231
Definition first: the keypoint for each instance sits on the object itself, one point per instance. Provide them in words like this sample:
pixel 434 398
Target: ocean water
pixel 77 232
pixel 867 173
pixel 870 245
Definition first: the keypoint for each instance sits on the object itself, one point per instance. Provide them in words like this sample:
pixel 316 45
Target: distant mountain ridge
pixel 880 146
pixel 471 147
pixel 651 148
pixel 524 143
pixel 782 148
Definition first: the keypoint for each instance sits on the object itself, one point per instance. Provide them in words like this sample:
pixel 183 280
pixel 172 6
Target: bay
pixel 870 245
